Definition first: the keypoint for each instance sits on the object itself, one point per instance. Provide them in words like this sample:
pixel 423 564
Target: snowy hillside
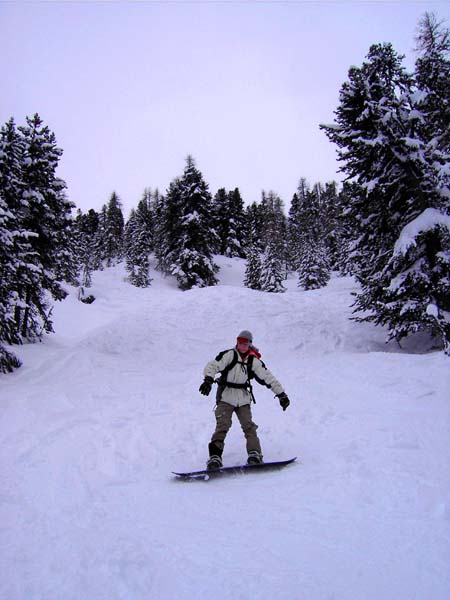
pixel 100 414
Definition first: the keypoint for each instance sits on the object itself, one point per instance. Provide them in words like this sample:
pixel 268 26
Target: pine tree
pixel 221 220
pixel 314 269
pixel 433 81
pixel 113 233
pixel 310 226
pixel 331 224
pixel 99 243
pixel 417 290
pixel 194 266
pixel 275 225
pixel 145 208
pixel 370 100
pixel 67 267
pixel 45 213
pixel 158 212
pixel 253 265
pixel 236 225
pixel 266 251
pixel 13 242
pixel 86 230
pixel 254 223
pixel 130 248
pixel 272 271
pixel 418 272
pixel 169 230
pixel 138 242
pixel 300 222
pixel 350 228
pixel 294 232
pixel 380 135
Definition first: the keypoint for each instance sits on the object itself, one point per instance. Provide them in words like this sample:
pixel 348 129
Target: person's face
pixel 243 344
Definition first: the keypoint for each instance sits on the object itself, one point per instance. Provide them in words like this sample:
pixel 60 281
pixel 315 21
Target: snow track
pixel 103 411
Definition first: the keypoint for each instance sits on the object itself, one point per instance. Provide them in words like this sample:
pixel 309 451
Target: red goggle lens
pixel 243 341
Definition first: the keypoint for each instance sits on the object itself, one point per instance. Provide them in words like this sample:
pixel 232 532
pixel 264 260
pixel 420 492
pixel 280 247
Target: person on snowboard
pixel 237 366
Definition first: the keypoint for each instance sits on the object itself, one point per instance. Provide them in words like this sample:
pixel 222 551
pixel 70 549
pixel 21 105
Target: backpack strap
pixel 222 381
pixel 252 374
pixel 227 369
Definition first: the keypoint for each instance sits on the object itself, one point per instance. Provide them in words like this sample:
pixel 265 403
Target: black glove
pixel 206 386
pixel 284 400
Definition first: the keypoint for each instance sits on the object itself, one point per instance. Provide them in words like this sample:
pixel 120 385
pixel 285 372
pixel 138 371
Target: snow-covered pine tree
pixel 229 222
pixel 86 230
pixel 144 238
pixel 253 266
pixel 293 247
pixel 275 223
pixel 349 228
pixel 369 102
pixel 169 231
pixel 138 242
pixel 113 234
pixel 378 132
pixel 99 242
pixel 272 269
pixel 418 271
pixel 314 269
pixel 236 225
pixel 432 73
pixel 158 207
pixel 130 248
pixel 331 224
pixel 194 266
pixel 220 219
pixel 310 224
pixel 254 223
pixel 13 242
pixel 146 216
pixel 298 222
pixel 67 267
pixel 45 212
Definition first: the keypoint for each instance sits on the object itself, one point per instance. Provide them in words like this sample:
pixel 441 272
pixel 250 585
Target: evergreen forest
pixel 387 224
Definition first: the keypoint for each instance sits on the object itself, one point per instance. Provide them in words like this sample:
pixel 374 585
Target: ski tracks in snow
pixel 102 412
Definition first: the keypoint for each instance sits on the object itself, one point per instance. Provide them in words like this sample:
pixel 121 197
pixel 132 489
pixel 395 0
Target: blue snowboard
pixel 238 469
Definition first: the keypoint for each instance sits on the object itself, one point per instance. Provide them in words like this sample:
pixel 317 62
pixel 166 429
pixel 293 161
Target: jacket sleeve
pixel 265 377
pixel 218 364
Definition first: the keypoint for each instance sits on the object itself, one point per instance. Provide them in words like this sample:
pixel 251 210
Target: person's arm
pixel 264 376
pixel 212 368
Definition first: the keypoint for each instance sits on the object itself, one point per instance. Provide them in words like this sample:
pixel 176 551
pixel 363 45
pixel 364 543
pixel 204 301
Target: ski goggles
pixel 243 340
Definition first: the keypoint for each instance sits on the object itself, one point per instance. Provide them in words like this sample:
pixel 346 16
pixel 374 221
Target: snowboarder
pixel 237 366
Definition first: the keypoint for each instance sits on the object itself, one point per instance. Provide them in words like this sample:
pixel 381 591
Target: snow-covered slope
pixel 100 414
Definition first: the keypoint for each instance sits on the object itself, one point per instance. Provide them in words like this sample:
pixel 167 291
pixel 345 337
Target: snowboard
pixel 237 469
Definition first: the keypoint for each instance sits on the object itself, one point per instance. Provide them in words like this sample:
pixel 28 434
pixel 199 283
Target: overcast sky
pixel 131 88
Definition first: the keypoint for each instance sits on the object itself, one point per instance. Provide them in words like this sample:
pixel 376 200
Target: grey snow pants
pixel 224 413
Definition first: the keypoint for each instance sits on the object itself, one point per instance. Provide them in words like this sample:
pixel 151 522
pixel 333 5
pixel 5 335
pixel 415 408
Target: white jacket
pixel 238 374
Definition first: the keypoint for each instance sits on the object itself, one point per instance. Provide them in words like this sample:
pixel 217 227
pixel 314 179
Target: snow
pixel 100 414
pixel 433 311
pixel 427 220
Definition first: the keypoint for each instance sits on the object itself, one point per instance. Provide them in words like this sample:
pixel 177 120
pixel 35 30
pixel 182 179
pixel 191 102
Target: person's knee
pixel 249 429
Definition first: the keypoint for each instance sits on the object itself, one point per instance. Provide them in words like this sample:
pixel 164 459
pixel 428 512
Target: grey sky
pixel 131 88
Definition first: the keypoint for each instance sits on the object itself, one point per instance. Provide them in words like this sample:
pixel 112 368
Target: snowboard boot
pixel 215 457
pixel 214 462
pixel 254 458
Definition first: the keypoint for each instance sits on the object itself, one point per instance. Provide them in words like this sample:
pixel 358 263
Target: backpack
pixel 222 381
